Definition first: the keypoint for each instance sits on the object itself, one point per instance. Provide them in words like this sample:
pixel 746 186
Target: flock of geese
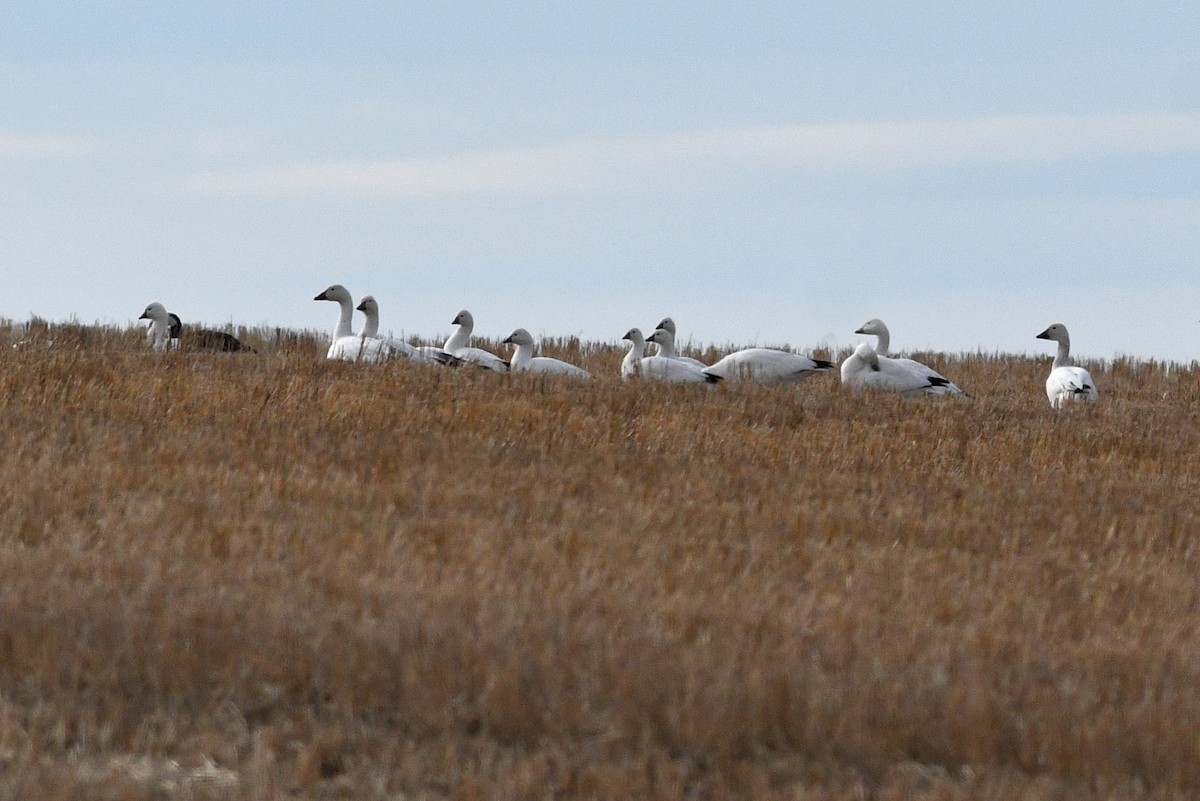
pixel 866 368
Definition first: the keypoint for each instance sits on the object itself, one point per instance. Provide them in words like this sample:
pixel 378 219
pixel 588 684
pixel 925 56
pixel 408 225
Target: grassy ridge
pixel 250 576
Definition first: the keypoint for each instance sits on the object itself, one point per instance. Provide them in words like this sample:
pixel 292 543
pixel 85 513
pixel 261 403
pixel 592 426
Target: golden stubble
pixel 268 575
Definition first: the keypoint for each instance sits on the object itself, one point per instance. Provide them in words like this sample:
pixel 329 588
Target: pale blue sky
pixel 763 172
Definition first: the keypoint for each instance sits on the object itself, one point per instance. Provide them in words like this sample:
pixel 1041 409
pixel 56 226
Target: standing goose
pixel 523 359
pixel 866 369
pixel 166 332
pixel 425 353
pixel 458 345
pixel 1066 381
pixel 876 327
pixel 345 345
pixel 636 363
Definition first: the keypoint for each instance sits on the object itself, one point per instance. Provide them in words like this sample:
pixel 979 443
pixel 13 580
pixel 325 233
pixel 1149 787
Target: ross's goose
pixel 1066 381
pixel 664 337
pixel 636 352
pixel 163 331
pixel 523 359
pixel 166 332
pixel 637 364
pixel 426 353
pixel 866 369
pixel 345 345
pixel 876 328
pixel 458 345
pixel 766 366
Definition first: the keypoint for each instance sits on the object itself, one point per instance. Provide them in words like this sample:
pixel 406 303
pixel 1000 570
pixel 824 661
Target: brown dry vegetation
pixel 260 576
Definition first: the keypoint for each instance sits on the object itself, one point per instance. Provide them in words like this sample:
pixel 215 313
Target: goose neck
pixel 370 327
pixel 884 341
pixel 458 340
pixel 521 357
pixel 1063 357
pixel 637 350
pixel 158 333
pixel 345 318
pixel 666 346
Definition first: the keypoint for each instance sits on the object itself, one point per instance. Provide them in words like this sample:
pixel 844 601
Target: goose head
pixel 634 335
pixel 1056 332
pixel 157 313
pixel 336 293
pixel 520 338
pixel 662 336
pixel 873 326
pixel 667 324
pixel 464 319
pixel 867 355
pixel 368 305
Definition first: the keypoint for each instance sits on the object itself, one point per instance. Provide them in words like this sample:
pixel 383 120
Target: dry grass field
pixel 261 576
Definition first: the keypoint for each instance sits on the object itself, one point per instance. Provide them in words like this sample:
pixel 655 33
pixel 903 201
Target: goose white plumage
pixel 883 340
pixel 637 364
pixel 635 354
pixel 523 359
pixel 426 353
pixel 666 345
pixel 1066 381
pixel 163 332
pixel 866 369
pixel 458 345
pixel 766 366
pixel 346 346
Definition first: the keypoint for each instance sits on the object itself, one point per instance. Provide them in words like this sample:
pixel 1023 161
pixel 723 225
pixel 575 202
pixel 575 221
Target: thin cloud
pixel 633 164
pixel 16 146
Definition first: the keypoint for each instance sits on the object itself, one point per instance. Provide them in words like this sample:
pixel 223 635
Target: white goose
pixel 458 345
pixel 523 359
pixel 164 328
pixel 637 351
pixel 166 332
pixel 766 366
pixel 866 369
pixel 1066 381
pixel 666 346
pixel 425 353
pixel 345 345
pixel 637 364
pixel 876 327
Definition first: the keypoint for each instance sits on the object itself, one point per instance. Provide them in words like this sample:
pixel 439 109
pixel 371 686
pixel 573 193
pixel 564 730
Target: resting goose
pixel 166 332
pixel 636 363
pixel 766 366
pixel 866 369
pixel 163 331
pixel 458 345
pixel 425 353
pixel 523 359
pixel 666 345
pixel 1066 381
pixel 345 345
pixel 876 327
